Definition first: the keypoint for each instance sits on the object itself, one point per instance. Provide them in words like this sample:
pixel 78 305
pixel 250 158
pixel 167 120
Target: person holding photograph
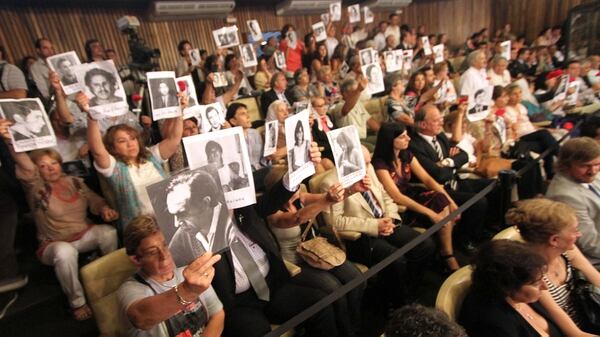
pixel 278 110
pixel 103 85
pixel 292 47
pixel 286 224
pixel 161 300
pixel 59 204
pixel 126 163
pixel 551 229
pixel 349 158
pixel 298 154
pixel 262 78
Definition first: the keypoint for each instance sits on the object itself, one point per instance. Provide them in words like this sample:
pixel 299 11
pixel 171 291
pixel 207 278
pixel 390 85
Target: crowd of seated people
pixel 423 159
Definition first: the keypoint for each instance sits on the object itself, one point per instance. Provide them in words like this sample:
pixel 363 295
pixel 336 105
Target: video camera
pixel 142 57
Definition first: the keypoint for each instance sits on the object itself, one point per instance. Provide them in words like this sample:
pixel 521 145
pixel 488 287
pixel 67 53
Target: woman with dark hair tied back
pixel 551 229
pixel 394 165
pixel 505 293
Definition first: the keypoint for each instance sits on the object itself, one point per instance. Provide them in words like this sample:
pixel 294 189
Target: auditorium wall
pixel 68 28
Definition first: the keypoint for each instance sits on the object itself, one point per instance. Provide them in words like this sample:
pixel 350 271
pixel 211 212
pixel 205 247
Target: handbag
pixel 586 298
pixel 318 252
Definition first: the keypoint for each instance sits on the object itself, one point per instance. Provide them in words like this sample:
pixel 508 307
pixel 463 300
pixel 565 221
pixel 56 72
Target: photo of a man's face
pixel 163 88
pixel 213 117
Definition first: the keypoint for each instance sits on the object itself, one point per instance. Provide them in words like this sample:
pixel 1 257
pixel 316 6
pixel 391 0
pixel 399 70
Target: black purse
pixel 586 297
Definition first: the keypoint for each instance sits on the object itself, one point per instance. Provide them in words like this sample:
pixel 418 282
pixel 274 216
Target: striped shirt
pixel 561 294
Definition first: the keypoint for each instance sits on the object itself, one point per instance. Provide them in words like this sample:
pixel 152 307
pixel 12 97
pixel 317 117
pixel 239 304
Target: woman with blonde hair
pixel 551 229
pixel 59 204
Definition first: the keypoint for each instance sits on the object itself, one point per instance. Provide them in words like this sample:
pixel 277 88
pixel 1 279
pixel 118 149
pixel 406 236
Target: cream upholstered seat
pixel 101 279
pixel 453 291
pixel 510 233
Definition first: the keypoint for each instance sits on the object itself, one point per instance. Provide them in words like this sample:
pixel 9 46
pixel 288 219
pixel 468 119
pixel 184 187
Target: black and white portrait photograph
pixel 185 84
pixel 226 37
pixel 75 168
pixel 426 45
pixel 271 134
pixel 31 128
pixel 227 151
pixel 298 138
pixel 248 55
pixel 479 103
pixel 366 56
pixel 368 15
pixel 348 155
pixel 192 214
pixel 325 18
pixel 354 13
pixel 163 94
pixel 344 69
pixel 104 88
pixel 195 57
pixel 407 56
pixel 292 38
pixel 213 117
pixel 319 31
pixel 63 64
pixel 280 59
pixel 392 62
pixel 375 76
pixel 506 49
pixel 335 11
pixel 438 53
pixel 219 79
pixel 254 29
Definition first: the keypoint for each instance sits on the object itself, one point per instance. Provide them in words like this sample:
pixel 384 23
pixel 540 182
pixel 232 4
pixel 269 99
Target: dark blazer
pixel 250 221
pixel 171 101
pixel 269 97
pixel 428 158
pixel 485 317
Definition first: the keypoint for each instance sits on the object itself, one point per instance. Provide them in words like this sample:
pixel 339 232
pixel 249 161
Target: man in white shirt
pixel 380 36
pixel 39 70
pixel 394 26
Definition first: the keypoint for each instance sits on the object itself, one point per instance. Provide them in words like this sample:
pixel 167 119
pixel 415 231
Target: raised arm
pixel 150 311
pixel 25 167
pixel 95 143
pixel 230 94
pixel 354 96
pixel 174 132
pixel 64 114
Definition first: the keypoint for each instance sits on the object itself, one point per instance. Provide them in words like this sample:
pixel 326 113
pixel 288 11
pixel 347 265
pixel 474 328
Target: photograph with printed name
pixel 248 55
pixel 31 128
pixel 192 214
pixel 63 64
pixel 163 94
pixel 226 150
pixel 298 138
pixel 103 87
pixel 271 134
pixel 348 155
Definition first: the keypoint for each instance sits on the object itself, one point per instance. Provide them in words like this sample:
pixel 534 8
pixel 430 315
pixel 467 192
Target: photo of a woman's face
pixel 299 136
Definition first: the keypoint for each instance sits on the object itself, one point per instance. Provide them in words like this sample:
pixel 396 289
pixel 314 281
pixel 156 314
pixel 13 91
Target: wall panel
pixel 70 27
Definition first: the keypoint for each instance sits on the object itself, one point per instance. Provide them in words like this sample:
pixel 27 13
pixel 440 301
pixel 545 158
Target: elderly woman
pixel 59 204
pixel 397 109
pixel 303 90
pixel 286 226
pixel 498 73
pixel 504 297
pixel 551 229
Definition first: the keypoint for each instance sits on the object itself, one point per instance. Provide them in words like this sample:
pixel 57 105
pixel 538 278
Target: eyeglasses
pixel 156 252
